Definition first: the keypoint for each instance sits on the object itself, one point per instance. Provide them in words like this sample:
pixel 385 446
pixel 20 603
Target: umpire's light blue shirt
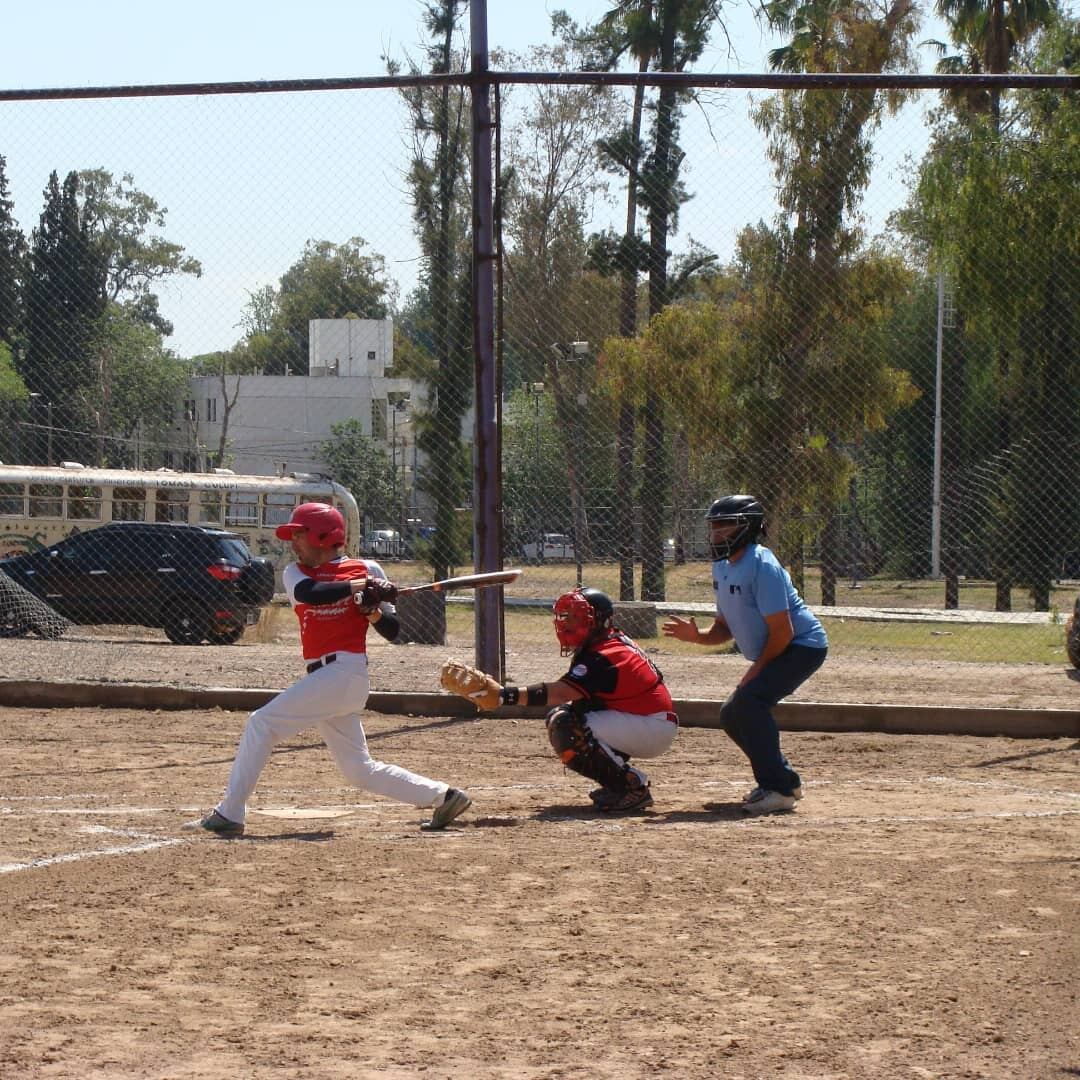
pixel 756 585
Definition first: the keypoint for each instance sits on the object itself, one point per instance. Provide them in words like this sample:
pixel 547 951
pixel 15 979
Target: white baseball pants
pixel 329 699
pixel 639 736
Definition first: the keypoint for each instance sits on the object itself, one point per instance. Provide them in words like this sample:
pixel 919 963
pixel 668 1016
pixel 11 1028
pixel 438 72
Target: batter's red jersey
pixel 326 628
pixel 616 674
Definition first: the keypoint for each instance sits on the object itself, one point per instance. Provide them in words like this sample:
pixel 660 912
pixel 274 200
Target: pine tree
pixel 65 297
pixel 12 265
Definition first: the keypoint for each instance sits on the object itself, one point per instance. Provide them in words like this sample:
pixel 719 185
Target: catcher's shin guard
pixel 578 749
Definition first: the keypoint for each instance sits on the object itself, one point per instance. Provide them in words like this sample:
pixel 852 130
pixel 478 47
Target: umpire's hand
pixel 682 629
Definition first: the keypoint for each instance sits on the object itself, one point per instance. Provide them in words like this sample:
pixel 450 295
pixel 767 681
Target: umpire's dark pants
pixel 747 715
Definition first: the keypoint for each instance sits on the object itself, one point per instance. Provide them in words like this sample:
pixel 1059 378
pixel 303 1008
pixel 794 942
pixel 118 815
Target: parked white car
pixel 383 542
pixel 552 547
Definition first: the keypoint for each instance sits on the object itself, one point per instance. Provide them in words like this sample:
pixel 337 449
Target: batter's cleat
pixel 763 801
pixel 601 795
pixel 218 825
pixel 456 802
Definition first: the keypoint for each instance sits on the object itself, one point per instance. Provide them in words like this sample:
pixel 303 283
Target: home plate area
pixel 916 914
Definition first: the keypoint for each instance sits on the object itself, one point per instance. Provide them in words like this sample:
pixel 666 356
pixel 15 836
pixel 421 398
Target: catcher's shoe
pixel 634 798
pixel 602 794
pixel 456 802
pixel 636 795
pixel 763 801
pixel 218 825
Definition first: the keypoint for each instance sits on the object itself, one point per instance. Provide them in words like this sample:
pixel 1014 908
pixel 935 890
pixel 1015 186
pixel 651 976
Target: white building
pixel 277 423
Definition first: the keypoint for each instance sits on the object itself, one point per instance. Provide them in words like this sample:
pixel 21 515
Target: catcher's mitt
pixel 471 684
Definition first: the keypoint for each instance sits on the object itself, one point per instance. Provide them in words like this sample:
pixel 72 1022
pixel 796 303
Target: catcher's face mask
pixel 575 622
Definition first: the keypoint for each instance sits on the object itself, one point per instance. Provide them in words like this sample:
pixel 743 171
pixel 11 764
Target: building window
pixel 211 410
pixel 371 354
pixel 191 409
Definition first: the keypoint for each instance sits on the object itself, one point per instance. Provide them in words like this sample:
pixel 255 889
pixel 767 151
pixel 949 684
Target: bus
pixel 40 505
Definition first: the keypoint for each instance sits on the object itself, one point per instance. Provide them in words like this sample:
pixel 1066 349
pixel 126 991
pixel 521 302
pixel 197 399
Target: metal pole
pixel 536 462
pixel 393 457
pixel 487 471
pixel 935 503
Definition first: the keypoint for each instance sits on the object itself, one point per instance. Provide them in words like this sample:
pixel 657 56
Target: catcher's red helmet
pixel 324 524
pixel 580 614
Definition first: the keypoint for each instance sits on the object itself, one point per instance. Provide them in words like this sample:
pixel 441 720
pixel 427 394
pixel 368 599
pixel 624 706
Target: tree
pixel 987 33
pixel 820 143
pixel 670 35
pixel 441 210
pixel 552 178
pixel 627 259
pixel 250 356
pixel 123 221
pixel 997 207
pixel 12 396
pixel 131 400
pixel 360 464
pixel 65 297
pixel 329 281
pixel 94 260
pixel 12 265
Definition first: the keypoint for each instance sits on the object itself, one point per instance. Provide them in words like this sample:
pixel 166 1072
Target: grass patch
pixel 975 643
pixel 1005 644
pixel 532 627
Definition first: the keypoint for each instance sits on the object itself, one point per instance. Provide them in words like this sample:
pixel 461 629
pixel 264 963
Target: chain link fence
pixel 857 302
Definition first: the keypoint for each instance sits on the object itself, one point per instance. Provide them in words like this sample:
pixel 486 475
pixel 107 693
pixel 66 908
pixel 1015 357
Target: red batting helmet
pixel 324 524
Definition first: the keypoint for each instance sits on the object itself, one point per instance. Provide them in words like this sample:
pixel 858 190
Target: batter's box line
pixel 108 830
pixel 905 819
pixel 1002 785
pixel 49 798
pixel 79 856
pixel 898 781
pixel 90 811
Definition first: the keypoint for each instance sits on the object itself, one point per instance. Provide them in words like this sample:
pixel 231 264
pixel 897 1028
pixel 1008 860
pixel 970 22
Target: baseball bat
pixel 465 581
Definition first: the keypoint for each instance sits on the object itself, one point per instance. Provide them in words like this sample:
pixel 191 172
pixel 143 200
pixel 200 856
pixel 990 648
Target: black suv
pixel 196 583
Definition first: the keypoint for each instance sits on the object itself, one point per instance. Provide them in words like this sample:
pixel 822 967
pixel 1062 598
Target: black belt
pixel 316 664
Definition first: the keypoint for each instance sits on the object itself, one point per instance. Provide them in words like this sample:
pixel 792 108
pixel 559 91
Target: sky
pixel 290 163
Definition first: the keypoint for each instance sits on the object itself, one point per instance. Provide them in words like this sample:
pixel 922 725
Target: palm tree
pixel 820 142
pixel 667 35
pixel 987 33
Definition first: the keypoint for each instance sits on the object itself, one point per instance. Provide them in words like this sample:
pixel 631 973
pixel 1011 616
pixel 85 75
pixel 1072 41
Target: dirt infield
pixel 917 917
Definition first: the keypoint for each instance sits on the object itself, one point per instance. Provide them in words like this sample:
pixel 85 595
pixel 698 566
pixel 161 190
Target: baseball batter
pixel 336 600
pixel 610 706
pixel 758 606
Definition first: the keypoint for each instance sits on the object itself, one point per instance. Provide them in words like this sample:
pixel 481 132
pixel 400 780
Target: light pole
pixel 401 406
pixel 579 350
pixel 537 391
pixel 35 399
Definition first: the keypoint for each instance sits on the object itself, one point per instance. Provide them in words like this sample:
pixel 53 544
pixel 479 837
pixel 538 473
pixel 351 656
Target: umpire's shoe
pixel 218 825
pixel 454 803
pixel 763 801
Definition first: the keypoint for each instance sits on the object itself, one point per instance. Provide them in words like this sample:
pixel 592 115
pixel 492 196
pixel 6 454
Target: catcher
pixel 610 706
